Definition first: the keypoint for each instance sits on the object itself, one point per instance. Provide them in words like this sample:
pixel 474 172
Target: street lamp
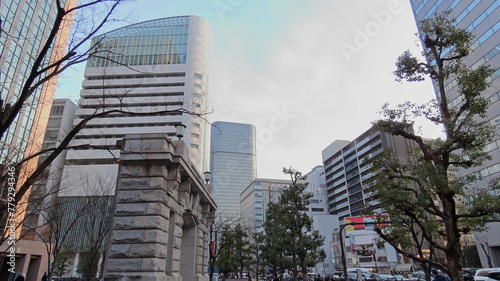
pixel 208 176
pixel 179 130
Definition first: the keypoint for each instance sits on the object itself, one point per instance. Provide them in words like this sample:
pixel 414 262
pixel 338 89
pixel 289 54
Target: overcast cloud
pixel 304 73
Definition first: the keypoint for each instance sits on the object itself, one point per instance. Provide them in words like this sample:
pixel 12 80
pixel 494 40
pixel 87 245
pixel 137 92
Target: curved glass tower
pixel 152 66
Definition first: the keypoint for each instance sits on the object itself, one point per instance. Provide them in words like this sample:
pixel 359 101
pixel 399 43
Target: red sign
pixel 361 220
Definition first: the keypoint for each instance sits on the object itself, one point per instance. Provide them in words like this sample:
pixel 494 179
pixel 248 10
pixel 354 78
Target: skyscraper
pixel 25 26
pixel 152 66
pixel 482 18
pixel 24 29
pixel 160 65
pixel 233 164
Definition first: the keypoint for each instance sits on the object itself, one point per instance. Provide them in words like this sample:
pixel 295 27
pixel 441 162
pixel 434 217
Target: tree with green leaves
pixel 273 250
pixel 227 259
pixel 243 250
pixel 420 193
pixel 256 247
pixel 288 221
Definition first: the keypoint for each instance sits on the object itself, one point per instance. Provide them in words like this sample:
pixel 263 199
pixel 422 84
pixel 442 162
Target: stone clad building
pixel 162 212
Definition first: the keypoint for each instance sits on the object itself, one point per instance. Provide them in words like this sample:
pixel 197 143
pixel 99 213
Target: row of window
pixel 120 77
pixel 135 86
pixel 133 95
pixel 121 115
pixel 92 161
pixel 125 106
pixel 129 125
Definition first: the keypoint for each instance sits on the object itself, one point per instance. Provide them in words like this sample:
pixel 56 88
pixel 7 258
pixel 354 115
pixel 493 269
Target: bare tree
pixel 98 12
pixel 51 59
pixel 44 67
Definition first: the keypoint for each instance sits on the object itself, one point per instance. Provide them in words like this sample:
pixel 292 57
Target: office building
pixel 347 172
pixel 482 18
pixel 233 165
pixel 25 27
pixel 316 181
pixel 255 198
pixel 44 191
pixel 149 67
pixel 159 67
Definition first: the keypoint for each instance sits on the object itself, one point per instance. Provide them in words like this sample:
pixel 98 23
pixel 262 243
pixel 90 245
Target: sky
pixel 305 73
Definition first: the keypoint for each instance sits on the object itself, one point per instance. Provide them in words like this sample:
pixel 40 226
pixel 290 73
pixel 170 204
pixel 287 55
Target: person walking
pixel 44 277
pixel 437 275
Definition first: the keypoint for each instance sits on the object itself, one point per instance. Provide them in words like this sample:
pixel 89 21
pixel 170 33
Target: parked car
pixel 351 276
pixel 493 275
pixel 365 272
pixel 482 273
pixel 417 275
pixel 401 278
pixel 469 273
pixel 337 275
pixel 381 277
pixel 311 276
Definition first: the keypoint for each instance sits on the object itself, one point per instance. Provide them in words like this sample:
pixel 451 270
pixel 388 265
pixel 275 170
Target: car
pixel 417 275
pixel 469 273
pixel 482 273
pixel 365 272
pixel 380 277
pixel 401 278
pixel 311 276
pixel 493 275
pixel 351 276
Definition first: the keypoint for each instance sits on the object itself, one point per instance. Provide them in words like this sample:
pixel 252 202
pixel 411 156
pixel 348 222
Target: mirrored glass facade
pixel 482 19
pixel 233 165
pixel 25 25
pixel 161 67
pixel 161 41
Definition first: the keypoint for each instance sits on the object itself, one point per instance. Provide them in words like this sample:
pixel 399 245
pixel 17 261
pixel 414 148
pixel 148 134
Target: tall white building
pixel 149 67
pixel 152 66
pixel 233 165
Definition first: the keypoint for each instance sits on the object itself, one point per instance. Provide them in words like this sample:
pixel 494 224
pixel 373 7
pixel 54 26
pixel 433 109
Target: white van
pixel 365 272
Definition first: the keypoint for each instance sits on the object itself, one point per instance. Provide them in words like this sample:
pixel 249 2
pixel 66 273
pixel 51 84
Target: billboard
pixel 369 219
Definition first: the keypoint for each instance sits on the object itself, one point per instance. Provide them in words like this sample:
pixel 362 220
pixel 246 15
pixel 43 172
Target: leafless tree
pixel 97 12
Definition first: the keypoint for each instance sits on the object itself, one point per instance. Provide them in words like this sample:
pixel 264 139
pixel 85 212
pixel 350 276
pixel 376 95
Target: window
pixel 58 109
pixel 195 125
pixel 198 76
pixel 195 146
